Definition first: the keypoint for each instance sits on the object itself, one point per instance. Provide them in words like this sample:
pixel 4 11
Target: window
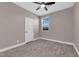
pixel 44 23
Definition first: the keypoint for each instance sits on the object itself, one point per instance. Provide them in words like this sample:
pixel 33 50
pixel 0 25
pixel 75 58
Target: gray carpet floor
pixel 41 48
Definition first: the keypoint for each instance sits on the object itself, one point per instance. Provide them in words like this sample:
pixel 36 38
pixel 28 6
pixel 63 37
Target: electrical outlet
pixel 17 41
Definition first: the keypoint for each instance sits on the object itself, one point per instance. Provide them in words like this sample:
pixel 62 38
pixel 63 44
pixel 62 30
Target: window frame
pixel 42 23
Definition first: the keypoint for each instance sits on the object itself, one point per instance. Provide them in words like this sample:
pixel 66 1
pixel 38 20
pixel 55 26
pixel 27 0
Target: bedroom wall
pixel 76 25
pixel 12 19
pixel 60 26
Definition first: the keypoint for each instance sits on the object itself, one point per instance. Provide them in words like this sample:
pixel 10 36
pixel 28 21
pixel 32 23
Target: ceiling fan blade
pixel 38 8
pixel 42 2
pixel 46 8
pixel 49 3
pixel 37 3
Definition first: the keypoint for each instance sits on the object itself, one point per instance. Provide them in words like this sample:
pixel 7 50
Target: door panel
pixel 28 29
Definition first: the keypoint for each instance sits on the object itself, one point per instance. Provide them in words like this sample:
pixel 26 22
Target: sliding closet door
pixel 29 29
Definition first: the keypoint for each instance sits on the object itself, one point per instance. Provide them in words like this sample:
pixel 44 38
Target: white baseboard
pixel 14 46
pixel 68 43
pixel 11 47
pixel 76 49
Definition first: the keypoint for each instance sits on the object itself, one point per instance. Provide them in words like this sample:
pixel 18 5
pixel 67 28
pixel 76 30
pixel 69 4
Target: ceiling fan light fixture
pixel 43 5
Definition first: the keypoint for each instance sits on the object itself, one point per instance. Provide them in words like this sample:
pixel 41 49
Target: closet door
pixel 29 29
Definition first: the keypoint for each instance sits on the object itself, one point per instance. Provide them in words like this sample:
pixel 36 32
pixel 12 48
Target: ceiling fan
pixel 44 4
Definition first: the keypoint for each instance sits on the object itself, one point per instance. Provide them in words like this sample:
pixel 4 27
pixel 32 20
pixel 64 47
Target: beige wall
pixel 12 24
pixel 76 25
pixel 60 26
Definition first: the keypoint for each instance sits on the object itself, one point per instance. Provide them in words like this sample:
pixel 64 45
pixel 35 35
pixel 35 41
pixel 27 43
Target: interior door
pixel 28 29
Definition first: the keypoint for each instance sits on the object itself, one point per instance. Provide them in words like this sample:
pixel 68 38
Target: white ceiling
pixel 53 8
